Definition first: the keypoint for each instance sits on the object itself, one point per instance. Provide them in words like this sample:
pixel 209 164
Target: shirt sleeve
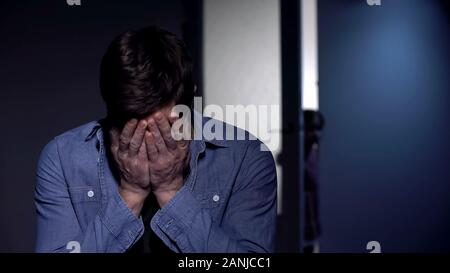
pixel 249 221
pixel 114 229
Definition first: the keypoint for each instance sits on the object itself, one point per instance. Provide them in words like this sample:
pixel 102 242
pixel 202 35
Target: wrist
pixel 164 197
pixel 165 193
pixel 133 197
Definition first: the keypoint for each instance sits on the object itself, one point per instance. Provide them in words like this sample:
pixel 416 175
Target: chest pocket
pixel 86 203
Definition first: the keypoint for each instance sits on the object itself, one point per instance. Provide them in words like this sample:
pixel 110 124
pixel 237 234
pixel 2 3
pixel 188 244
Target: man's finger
pixel 173 117
pixel 114 135
pixel 142 154
pixel 159 141
pixel 183 144
pixel 164 128
pixel 127 133
pixel 114 138
pixel 185 136
pixel 137 138
pixel 152 152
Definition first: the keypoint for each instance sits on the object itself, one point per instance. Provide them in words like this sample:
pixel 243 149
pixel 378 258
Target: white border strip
pixel 310 66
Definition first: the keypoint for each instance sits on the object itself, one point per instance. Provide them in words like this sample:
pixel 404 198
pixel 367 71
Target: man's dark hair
pixel 142 71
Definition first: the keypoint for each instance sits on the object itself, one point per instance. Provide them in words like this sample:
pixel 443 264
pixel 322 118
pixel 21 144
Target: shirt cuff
pixel 121 222
pixel 176 218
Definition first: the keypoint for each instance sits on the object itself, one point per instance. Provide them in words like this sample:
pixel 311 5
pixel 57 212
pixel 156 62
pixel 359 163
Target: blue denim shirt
pixel 227 203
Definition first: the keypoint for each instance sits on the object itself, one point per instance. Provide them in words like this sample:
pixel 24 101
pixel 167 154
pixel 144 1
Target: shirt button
pixel 169 223
pixel 90 193
pixel 216 198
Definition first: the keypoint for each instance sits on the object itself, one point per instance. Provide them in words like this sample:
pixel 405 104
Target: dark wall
pixel 49 61
pixel 385 95
pixel 289 228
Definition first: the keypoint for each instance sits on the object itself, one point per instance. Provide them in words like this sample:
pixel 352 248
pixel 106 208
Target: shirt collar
pixel 198 131
pixel 92 129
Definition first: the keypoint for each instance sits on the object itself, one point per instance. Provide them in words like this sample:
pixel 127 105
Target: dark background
pixel 384 92
pixel 385 95
pixel 50 55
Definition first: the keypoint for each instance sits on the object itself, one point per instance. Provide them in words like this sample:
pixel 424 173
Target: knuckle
pixel 124 140
pixel 160 141
pixel 121 156
pixel 114 149
pixel 134 146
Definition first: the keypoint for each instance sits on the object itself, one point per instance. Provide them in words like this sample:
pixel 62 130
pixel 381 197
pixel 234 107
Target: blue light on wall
pixel 385 95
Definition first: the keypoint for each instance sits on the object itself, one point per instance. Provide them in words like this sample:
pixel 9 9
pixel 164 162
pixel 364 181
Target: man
pixel 125 184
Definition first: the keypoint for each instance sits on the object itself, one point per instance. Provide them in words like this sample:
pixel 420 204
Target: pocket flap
pixel 84 194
